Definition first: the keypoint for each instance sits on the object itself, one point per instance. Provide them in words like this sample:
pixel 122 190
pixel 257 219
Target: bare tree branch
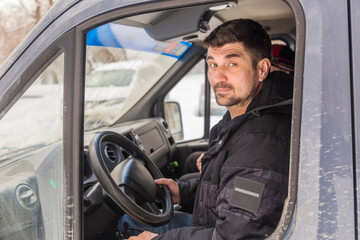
pixel 37 11
pixel 18 19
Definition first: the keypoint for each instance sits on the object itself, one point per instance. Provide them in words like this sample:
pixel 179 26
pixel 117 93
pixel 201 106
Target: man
pixel 244 173
pixel 283 59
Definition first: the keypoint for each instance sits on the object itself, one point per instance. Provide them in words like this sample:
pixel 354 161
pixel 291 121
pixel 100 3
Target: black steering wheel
pixel 130 183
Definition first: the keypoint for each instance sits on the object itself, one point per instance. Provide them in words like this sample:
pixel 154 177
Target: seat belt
pixel 283 103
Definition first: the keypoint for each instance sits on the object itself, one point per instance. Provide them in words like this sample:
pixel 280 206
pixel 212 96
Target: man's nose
pixel 220 74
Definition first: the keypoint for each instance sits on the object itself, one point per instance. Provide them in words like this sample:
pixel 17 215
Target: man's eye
pixel 212 65
pixel 232 64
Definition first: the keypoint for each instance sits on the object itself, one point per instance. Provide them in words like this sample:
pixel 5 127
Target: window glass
pixel 123 64
pixel 189 94
pixel 31 160
pixel 192 104
pixel 216 111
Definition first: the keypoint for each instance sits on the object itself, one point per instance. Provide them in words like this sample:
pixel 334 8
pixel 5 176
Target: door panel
pixel 325 192
pixel 31 160
pixel 355 67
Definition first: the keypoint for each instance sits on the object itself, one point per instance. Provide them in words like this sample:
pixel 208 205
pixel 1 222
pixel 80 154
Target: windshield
pixel 122 64
pixel 108 78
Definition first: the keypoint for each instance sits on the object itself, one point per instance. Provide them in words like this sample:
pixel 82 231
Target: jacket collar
pixel 275 96
pixel 277 87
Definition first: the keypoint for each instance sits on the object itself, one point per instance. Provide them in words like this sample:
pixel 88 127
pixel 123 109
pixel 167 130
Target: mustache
pixel 223 85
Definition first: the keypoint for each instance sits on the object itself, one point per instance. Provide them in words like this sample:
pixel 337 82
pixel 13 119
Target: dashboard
pixel 150 135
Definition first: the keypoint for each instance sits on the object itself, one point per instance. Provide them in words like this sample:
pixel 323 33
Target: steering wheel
pixel 130 182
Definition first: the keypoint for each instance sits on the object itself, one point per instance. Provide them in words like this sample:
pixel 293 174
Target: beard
pixel 233 99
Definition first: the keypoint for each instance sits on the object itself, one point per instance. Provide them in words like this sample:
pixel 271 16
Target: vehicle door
pixel 326 198
pixel 40 135
pixel 354 7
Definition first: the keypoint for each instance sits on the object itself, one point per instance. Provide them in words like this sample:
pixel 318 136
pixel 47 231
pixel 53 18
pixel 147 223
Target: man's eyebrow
pixel 209 58
pixel 231 55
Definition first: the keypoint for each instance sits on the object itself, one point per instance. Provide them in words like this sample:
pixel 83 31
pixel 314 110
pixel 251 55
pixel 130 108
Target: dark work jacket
pixel 253 146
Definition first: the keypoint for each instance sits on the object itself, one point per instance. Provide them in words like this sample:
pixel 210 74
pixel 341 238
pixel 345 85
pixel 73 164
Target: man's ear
pixel 264 66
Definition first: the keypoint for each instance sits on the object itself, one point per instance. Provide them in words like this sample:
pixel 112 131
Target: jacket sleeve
pixel 234 222
pixel 257 214
pixel 252 187
pixel 187 189
pixel 234 219
pixel 255 165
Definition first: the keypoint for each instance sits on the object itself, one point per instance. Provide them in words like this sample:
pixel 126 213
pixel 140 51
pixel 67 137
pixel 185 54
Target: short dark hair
pixel 246 31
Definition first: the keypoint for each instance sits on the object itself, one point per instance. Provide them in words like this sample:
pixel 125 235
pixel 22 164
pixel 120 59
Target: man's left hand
pixel 144 236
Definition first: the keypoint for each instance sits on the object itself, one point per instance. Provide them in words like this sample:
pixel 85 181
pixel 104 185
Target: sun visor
pixel 184 21
pixel 120 36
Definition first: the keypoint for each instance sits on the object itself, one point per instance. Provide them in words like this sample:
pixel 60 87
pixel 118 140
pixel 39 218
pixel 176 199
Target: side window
pixel 216 111
pixel 192 105
pixel 31 159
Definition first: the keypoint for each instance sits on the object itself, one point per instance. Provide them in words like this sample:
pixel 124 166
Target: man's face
pixel 231 75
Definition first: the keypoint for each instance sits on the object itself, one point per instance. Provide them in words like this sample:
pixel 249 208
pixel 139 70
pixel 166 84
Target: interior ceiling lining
pixel 275 15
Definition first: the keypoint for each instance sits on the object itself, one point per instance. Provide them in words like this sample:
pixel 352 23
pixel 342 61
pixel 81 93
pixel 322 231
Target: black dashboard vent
pixel 110 152
pixel 27 197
